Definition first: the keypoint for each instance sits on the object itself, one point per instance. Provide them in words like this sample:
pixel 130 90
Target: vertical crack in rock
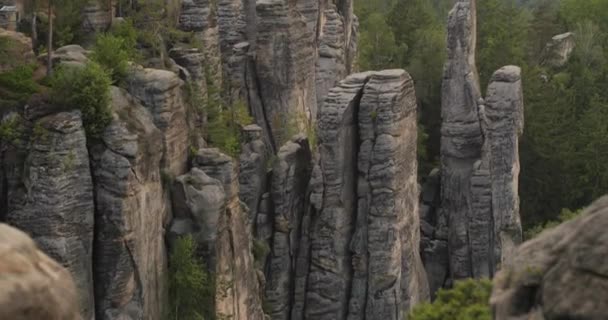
pixel 253 162
pixel 329 281
pixel 199 17
pixel 237 293
pixel 505 116
pixel 364 258
pixel 461 138
pixel 388 195
pixel 285 62
pixel 479 163
pixel 161 92
pixel 131 209
pixel 290 177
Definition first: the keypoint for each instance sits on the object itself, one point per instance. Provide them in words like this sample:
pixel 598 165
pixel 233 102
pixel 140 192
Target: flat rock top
pixel 33 285
pixel 507 74
pixel 158 79
pixel 563 36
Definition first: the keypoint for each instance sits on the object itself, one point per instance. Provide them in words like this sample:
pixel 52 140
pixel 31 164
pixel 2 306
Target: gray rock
pixel 461 137
pixel 331 65
pixel 193 60
pixel 131 211
pixel 504 110
pixel 201 200
pixel 161 92
pixel 71 55
pixel 237 287
pixel 561 274
pixel 96 17
pixel 50 196
pixel 290 176
pixel 285 68
pixel 558 50
pixel 364 257
pixel 331 261
pixel 34 286
pixel 199 17
pixel 479 159
pixel 253 166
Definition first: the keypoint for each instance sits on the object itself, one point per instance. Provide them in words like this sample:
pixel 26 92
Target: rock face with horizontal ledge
pixel 353 247
pixel 478 214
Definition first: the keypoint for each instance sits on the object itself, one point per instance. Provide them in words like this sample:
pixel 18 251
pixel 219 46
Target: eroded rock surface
pixel 561 274
pixel 50 195
pixel 290 176
pixel 479 208
pixel 131 211
pixel 558 51
pixel 237 293
pixel 358 251
pixel 161 92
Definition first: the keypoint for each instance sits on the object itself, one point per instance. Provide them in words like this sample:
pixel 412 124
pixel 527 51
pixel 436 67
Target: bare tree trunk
pixel 49 62
pixel 34 32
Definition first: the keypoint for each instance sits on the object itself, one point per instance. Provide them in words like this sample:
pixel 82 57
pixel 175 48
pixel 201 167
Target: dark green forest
pixel 564 150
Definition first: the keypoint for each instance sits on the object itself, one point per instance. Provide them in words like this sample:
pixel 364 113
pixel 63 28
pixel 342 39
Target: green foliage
pixel 191 288
pixel 225 123
pixel 87 89
pixel 468 300
pixel 502 36
pixel 9 129
pixel 17 85
pixel 113 53
pixel 378 48
pixel 565 215
pixel 260 250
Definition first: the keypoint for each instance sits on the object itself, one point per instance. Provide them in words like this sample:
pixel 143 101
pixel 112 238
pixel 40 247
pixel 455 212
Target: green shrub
pixel 564 216
pixel 17 85
pixel 87 89
pixel 127 32
pixel 260 251
pixel 468 300
pixel 113 53
pixel 224 125
pixel 191 288
pixel 9 129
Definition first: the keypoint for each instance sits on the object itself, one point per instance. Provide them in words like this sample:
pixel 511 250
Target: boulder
pixel 561 274
pixel 558 50
pixel 34 286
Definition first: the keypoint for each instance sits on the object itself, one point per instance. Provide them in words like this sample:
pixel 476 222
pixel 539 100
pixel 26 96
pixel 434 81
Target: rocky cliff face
pixel 338 210
pixel 49 193
pixel 349 248
pixel 475 225
pixel 131 209
pixel 560 274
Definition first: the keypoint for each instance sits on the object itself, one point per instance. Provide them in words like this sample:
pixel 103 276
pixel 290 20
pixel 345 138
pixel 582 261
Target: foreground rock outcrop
pixel 33 285
pixel 561 274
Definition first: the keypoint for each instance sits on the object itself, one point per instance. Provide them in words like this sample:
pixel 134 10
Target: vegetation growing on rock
pixel 468 300
pixel 87 89
pixel 191 289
